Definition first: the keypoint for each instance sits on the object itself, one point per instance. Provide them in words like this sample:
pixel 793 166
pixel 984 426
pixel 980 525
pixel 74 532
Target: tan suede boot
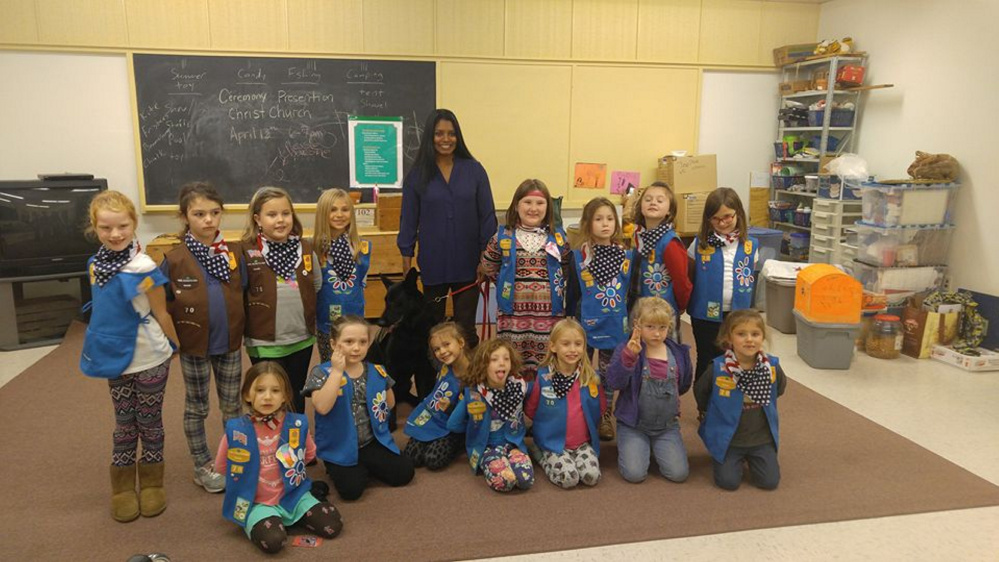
pixel 152 497
pixel 606 428
pixel 124 501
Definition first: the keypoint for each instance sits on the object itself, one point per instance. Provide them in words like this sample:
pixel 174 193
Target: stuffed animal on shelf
pixel 835 47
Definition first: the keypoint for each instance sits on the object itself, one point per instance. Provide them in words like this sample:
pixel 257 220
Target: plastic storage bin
pixel 903 246
pixel 798 245
pixel 826 345
pixel 780 305
pixel 769 240
pixel 831 187
pixel 788 182
pixel 781 211
pixel 898 279
pixel 839 118
pixel 825 294
pixel 908 204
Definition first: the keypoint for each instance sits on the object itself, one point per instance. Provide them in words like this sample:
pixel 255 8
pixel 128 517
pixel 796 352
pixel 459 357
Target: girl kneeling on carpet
pixel 431 443
pixel 129 341
pixel 737 398
pixel 263 456
pixel 566 402
pixel 651 371
pixel 353 400
pixel 491 415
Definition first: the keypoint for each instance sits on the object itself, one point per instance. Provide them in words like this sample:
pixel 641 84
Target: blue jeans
pixel 633 448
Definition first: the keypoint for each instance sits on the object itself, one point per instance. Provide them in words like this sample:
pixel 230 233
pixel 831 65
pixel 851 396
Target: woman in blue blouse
pixel 448 211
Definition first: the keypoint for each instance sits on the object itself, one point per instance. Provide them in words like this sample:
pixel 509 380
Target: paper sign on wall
pixel 375 151
pixel 621 182
pixel 590 176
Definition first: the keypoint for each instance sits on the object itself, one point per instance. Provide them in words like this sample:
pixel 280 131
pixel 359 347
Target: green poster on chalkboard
pixel 375 151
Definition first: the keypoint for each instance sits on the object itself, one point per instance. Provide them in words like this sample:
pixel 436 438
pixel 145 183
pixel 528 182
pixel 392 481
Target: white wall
pixel 941 57
pixel 739 124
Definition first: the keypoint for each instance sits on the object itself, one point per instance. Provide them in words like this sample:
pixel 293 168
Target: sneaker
pixel 208 479
pixel 606 429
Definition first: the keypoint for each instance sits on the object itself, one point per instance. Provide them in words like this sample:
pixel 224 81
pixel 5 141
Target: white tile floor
pixel 948 411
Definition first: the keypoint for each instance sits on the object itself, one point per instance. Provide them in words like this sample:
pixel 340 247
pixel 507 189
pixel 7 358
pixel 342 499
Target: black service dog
pixel 402 344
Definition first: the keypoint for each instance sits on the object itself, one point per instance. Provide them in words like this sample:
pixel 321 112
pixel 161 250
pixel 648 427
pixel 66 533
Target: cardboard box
pixel 759 210
pixel 987 361
pixel 388 210
pixel 690 211
pixel 794 86
pixel 689 174
pixel 791 53
pixel 850 75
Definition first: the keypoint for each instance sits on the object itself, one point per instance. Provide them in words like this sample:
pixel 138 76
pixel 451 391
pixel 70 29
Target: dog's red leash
pixel 461 290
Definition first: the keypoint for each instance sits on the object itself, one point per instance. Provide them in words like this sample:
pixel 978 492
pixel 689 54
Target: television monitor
pixel 41 226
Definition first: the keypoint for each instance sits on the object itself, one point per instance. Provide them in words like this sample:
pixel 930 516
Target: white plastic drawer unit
pixel 826 242
pixel 833 220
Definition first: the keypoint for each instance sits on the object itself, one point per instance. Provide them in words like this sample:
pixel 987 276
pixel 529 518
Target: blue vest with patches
pixel 339 297
pixel 336 434
pixel 653 278
pixel 550 418
pixel 429 419
pixel 507 242
pixel 706 298
pixel 109 344
pixel 603 310
pixel 473 417
pixel 242 471
pixel 725 409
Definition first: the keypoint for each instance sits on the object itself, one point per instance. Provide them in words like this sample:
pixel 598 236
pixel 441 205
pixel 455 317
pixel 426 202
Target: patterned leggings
pixel 507 467
pixel 572 467
pixel 435 454
pixel 138 413
pixel 271 536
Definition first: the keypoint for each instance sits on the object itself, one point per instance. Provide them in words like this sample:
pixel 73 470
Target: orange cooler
pixel 824 294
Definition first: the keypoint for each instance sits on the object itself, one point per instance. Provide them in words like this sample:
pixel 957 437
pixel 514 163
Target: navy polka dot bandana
pixel 508 402
pixel 646 240
pixel 214 259
pixel 340 256
pixel 282 257
pixel 755 382
pixel 561 384
pixel 603 262
pixel 107 263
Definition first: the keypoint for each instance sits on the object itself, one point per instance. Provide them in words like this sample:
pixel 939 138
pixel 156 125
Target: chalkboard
pixel 245 122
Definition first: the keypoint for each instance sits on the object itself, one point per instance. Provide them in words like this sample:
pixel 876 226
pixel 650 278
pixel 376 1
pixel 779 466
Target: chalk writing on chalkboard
pixel 244 122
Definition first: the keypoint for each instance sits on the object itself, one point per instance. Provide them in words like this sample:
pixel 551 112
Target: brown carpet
pixel 56 439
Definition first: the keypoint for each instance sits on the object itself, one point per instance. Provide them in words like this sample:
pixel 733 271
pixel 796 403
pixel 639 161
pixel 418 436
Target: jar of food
pixel 866 321
pixel 884 340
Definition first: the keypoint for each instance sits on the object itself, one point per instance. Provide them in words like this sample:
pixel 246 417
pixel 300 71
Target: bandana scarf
pixel 507 401
pixel 267 420
pixel 561 383
pixel 604 262
pixel 341 257
pixel 646 240
pixel 755 382
pixel 719 240
pixel 282 257
pixel 213 258
pixel 107 263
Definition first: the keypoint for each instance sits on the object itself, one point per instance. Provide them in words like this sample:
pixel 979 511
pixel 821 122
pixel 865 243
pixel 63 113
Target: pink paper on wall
pixel 621 182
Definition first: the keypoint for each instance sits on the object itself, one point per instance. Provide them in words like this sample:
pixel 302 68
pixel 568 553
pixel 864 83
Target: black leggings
pixel 705 334
pixel 297 367
pixel 372 459
pixel 323 519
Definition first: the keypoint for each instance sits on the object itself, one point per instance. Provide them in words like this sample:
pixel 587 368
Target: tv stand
pixel 26 323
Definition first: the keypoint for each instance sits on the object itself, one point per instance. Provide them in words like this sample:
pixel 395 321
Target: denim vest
pixel 725 409
pixel 706 298
pixel 507 242
pixel 603 310
pixel 242 470
pixel 339 297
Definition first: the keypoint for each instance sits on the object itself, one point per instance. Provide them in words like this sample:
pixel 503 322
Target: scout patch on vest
pixel 232 260
pixel 145 285
pixel 239 437
pixel 505 244
pixel 714 309
pixel 238 455
pixel 705 253
pixel 307 262
pixel 241 510
pixel 286 455
pixel 476 408
pixel 625 265
pixel 587 278
pixel 293 436
pixel 422 419
pixel 474 460
pixel 343 383
pixel 507 289
pixel 381 371
pixel 549 393
pixel 237 469
pixel 558 239
pixel 365 246
pixel 93 278
pixel 652 256
pixel 726 383
pixel 747 247
pixel 594 392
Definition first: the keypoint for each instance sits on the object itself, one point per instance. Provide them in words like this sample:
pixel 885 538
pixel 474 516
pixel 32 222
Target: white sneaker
pixel 208 479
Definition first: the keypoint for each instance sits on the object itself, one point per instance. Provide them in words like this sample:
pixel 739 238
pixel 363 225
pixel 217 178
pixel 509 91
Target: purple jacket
pixel 629 381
